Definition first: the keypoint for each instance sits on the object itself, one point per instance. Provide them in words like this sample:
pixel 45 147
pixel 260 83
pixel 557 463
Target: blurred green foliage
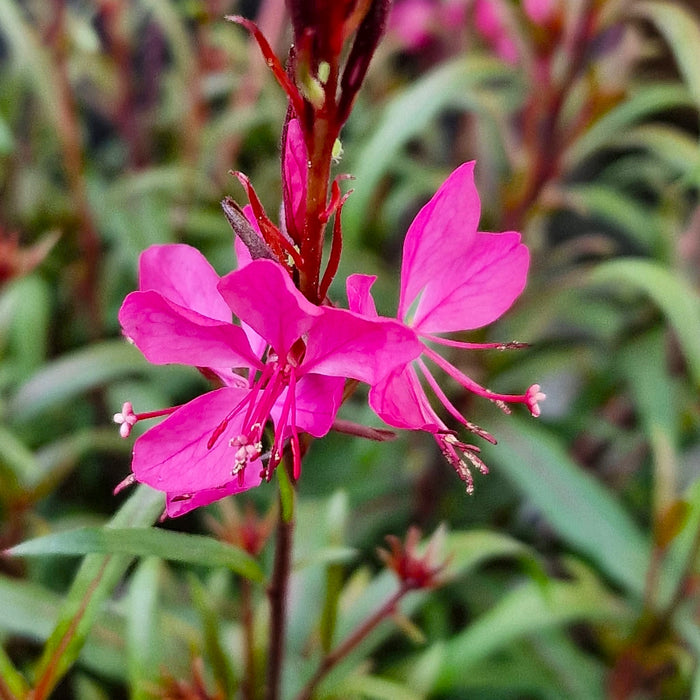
pixel 573 569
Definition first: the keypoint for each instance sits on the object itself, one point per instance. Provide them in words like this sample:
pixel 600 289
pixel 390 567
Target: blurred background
pixel 574 570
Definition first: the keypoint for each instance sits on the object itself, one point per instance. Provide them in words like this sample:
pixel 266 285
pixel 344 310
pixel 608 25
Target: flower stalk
pixel 279 584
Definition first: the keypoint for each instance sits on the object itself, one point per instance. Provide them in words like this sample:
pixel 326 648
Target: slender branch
pixel 277 595
pixel 270 20
pixel 547 147
pixel 248 639
pixel 339 653
pixel 5 692
pixel 68 130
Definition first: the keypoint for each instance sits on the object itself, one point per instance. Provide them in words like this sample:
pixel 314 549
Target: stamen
pixel 131 479
pixel 451 407
pixel 512 345
pixel 534 396
pixel 248 399
pixel 529 399
pixel 127 419
pixel 449 446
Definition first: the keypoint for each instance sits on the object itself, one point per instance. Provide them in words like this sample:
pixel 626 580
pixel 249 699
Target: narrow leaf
pixel 63 379
pixel 142 648
pixel 458 81
pixel 644 103
pixel 671 293
pixel 221 666
pixel 682 32
pixel 12 682
pixel 526 610
pixel 93 584
pixel 140 542
pixel 581 511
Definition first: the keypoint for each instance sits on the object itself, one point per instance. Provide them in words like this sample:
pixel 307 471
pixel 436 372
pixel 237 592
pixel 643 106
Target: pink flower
pixel 491 19
pixel 286 363
pixel 411 21
pixel 453 278
pixel 418 23
pixel 540 11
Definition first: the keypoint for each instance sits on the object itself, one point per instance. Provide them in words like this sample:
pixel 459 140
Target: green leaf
pixel 143 542
pixel 614 207
pixel 221 666
pixel 12 682
pixel 464 551
pixel 27 609
pixel 30 56
pixel 547 665
pixel 647 101
pixel 681 553
pixel 60 381
pixel 30 299
pixel 671 293
pixel 643 363
pixel 682 33
pixel 57 459
pixel 581 511
pixel 526 610
pixel 142 648
pixel 458 81
pixel 375 688
pixel 18 466
pixel 668 144
pixel 92 586
pixel 7 142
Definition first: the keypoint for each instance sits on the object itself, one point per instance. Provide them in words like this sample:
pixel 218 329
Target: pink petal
pixel 491 275
pixel 359 295
pixel 168 333
pixel 439 234
pixel 296 173
pixel 318 400
pixel 173 456
pixel 399 400
pixel 182 274
pixel 263 296
pixel 177 504
pixel 344 344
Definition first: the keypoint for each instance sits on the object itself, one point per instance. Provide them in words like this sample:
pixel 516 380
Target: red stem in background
pixel 340 652
pixel 69 135
pixel 277 594
pixel 270 20
pixel 543 141
pixel 248 639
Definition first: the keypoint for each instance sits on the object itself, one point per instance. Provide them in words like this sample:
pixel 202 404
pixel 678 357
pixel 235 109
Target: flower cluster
pixel 278 349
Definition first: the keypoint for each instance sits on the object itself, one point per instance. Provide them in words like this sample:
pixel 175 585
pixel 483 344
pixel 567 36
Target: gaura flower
pixel 492 19
pixel 285 363
pixel 541 12
pixel 453 278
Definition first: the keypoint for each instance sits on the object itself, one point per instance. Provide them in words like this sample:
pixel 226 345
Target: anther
pixel 126 419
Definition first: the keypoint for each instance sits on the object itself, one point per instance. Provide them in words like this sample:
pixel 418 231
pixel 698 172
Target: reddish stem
pixel 339 653
pixel 69 134
pixel 248 639
pixel 277 594
pixel 542 116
